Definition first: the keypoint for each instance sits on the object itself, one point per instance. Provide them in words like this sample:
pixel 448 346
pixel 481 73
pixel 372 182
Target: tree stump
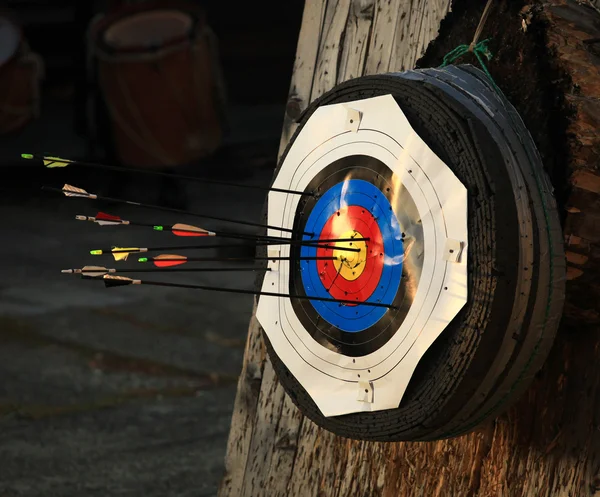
pixel 547 62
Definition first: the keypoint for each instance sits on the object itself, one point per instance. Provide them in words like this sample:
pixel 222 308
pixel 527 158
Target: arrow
pixel 49 162
pixel 114 281
pixel 166 260
pixel 181 229
pixel 99 271
pixel 73 191
pixel 53 162
pixel 121 254
pixel 178 229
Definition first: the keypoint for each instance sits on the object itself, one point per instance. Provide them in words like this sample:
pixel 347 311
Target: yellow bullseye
pixel 350 265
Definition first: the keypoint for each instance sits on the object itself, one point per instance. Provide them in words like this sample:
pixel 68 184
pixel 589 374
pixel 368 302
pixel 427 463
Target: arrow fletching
pixel 103 216
pixel 103 219
pixel 170 262
pixel 112 281
pixel 122 256
pixel 90 271
pixel 73 191
pixel 95 271
pixel 52 162
pixel 180 229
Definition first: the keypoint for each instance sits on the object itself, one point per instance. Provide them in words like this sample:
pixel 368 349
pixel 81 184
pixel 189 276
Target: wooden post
pixel 547 445
pixel 272 449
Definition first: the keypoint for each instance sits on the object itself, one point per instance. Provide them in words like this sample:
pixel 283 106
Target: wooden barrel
pixel 20 74
pixel 158 72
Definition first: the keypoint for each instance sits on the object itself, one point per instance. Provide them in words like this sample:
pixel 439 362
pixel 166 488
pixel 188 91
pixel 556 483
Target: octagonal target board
pixel 375 181
pixel 426 277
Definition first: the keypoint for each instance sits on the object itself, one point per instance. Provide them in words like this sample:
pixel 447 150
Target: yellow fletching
pixel 122 256
pixel 51 162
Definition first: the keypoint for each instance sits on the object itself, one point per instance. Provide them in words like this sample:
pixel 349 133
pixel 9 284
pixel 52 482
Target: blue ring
pixel 353 319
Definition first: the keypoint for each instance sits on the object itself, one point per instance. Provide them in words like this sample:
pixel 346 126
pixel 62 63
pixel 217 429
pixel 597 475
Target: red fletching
pixel 168 263
pixel 179 260
pixel 102 216
pixel 188 233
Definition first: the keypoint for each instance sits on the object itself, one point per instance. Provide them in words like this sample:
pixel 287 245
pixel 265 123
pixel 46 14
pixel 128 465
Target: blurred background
pixel 128 391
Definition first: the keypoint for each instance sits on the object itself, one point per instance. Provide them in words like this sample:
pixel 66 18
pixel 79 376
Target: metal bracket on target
pixel 353 118
pixel 365 392
pixel 273 252
pixel 453 250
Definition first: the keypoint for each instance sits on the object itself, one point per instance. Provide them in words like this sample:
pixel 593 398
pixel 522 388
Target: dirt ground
pixel 124 391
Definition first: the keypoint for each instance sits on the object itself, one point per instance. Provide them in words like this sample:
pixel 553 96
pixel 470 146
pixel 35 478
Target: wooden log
pixel 549 443
pixel 575 34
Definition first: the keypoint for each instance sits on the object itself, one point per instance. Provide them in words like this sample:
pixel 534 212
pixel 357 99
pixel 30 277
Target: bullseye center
pixel 350 265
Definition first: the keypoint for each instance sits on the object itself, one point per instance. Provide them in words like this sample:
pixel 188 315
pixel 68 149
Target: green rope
pixel 480 50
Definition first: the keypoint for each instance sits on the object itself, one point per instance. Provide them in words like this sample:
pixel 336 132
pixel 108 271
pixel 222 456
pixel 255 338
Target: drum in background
pixel 20 74
pixel 157 69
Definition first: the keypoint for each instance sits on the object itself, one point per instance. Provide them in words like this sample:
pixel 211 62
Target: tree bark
pixel 549 443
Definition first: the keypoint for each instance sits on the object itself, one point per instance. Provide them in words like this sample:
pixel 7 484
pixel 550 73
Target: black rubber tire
pixel 488 355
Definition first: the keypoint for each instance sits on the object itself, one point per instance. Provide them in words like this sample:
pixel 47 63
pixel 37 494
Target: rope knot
pixel 479 49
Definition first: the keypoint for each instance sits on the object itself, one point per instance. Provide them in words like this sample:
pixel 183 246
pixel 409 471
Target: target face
pixel 371 240
pixel 356 202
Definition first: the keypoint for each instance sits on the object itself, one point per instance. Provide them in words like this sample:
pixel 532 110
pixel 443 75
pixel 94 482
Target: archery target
pixel 368 177
pixel 449 302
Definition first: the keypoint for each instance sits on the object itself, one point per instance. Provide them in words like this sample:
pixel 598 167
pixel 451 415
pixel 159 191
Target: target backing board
pixel 372 181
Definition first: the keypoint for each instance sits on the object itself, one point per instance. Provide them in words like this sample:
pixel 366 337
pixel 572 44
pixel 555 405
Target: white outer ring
pixel 334 381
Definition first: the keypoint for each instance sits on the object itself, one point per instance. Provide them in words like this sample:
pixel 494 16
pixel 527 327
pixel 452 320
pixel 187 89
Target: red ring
pixel 360 219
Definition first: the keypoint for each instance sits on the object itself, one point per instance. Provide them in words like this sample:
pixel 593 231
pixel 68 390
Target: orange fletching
pixel 160 262
pixel 188 230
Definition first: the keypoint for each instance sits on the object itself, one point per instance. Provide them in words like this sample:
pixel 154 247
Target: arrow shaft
pixel 193 270
pixel 225 234
pixel 219 246
pixel 172 209
pixel 266 294
pixel 176 270
pixel 261 238
pixel 241 259
pixel 174 176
